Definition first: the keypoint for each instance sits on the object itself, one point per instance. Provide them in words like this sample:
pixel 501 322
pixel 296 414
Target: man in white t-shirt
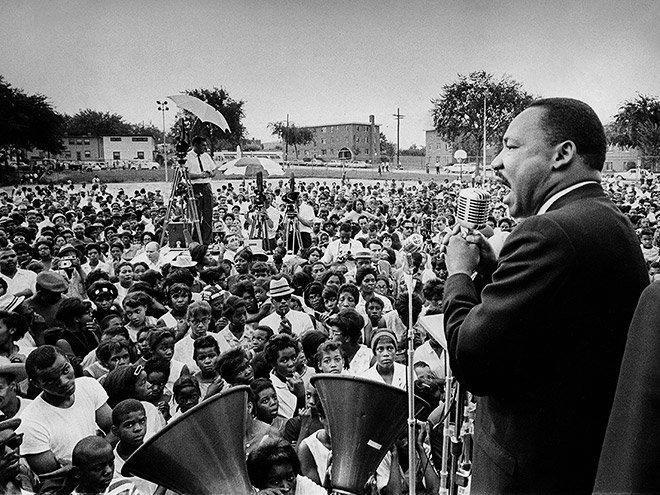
pixel 19 282
pixel 67 410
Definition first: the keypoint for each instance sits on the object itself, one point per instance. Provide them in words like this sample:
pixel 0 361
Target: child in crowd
pixel 205 354
pixel 186 394
pixel 93 469
pixel 179 298
pixel 161 343
pixel 157 370
pixel 135 306
pixel 330 358
pixel 234 367
pixel 266 403
pixel 113 352
pixel 129 425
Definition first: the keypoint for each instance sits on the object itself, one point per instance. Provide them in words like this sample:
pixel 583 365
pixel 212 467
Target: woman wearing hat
pixel 104 294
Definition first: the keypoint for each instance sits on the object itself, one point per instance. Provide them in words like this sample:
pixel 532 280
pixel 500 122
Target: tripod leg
pixel 168 215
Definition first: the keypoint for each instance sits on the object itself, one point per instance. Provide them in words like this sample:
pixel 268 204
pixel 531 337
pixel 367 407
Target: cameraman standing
pixel 306 217
pixel 201 168
pixel 272 216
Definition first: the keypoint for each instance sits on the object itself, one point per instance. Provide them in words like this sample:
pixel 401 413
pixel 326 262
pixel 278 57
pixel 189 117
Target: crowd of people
pixel 105 336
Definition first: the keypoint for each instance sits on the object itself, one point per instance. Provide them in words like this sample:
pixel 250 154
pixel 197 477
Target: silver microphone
pixel 473 207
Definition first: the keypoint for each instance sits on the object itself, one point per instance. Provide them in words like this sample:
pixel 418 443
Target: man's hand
pixel 285 326
pixel 461 256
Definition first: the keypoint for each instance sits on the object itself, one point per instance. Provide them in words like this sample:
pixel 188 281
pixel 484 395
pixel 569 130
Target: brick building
pixel 351 141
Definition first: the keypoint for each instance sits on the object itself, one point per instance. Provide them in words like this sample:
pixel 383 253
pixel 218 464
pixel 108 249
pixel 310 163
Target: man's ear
pixel 565 153
pixel 114 429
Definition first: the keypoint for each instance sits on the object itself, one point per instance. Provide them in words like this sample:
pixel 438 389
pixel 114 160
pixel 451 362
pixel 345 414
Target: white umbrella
pixel 201 110
pixel 248 166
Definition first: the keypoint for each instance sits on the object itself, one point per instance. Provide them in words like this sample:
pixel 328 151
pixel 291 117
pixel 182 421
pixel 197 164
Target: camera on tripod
pixel 291 199
pixel 260 198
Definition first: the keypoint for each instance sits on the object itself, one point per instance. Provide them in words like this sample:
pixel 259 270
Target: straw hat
pixel 183 261
pixel 279 287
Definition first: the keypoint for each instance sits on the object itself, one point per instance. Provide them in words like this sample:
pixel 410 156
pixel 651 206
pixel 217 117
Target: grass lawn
pixel 120 176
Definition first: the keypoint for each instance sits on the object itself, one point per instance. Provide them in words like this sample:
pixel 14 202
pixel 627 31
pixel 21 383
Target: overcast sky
pixel 325 62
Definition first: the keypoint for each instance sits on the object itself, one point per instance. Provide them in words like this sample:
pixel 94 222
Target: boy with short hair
pixel 93 463
pixel 129 424
pixel 205 354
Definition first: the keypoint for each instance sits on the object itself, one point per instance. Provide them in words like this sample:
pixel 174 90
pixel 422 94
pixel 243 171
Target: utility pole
pixel 483 176
pixel 286 140
pixel 162 106
pixel 398 118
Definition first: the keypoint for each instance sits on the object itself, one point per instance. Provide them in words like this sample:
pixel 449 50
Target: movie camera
pixel 291 199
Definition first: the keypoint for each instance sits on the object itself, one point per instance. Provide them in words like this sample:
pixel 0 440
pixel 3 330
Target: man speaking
pixel 542 343
pixel 201 168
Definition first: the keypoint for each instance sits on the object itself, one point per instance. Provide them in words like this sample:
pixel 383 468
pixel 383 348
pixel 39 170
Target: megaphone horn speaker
pixel 365 418
pixel 201 452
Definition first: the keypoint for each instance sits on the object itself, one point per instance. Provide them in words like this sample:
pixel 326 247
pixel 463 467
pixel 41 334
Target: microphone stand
pixel 446 429
pixel 410 383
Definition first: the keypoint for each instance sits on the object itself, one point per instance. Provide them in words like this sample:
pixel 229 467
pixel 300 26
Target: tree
pixel 386 148
pixel 458 111
pixel 637 125
pixel 94 123
pixel 230 109
pixel 291 135
pixel 143 129
pixel 414 151
pixel 28 121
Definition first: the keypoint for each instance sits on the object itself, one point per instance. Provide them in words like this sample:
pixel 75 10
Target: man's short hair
pixel 205 342
pixel 43 357
pixel 567 119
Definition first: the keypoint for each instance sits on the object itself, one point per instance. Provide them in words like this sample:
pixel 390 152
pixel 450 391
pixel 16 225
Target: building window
pixel 322 129
pixel 358 128
pixel 608 165
pixel 115 139
pixel 357 139
pixel 116 155
pixel 347 128
pixel 78 141
pixel 143 139
pixel 72 141
pixel 140 155
pixel 86 141
pixel 88 154
pixel 323 152
pixel 67 154
pixel 322 141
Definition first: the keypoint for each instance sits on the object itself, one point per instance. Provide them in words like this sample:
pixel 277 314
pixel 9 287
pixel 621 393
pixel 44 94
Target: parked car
pixel 633 174
pixel 458 168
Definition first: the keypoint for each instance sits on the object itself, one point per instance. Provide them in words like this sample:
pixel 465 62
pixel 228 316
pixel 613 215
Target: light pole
pixel 162 107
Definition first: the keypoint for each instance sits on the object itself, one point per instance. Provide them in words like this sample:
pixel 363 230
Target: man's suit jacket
pixel 542 344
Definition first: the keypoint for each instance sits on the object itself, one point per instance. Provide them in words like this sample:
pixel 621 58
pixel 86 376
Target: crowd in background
pixel 101 328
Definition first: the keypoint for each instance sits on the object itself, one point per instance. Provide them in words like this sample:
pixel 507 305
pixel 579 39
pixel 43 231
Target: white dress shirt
pixel 300 322
pixel 198 164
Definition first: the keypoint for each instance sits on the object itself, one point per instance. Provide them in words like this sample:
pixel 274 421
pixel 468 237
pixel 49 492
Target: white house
pixel 128 148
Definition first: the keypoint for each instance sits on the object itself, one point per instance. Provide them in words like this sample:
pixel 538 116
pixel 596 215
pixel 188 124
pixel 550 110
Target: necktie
pixel 201 167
